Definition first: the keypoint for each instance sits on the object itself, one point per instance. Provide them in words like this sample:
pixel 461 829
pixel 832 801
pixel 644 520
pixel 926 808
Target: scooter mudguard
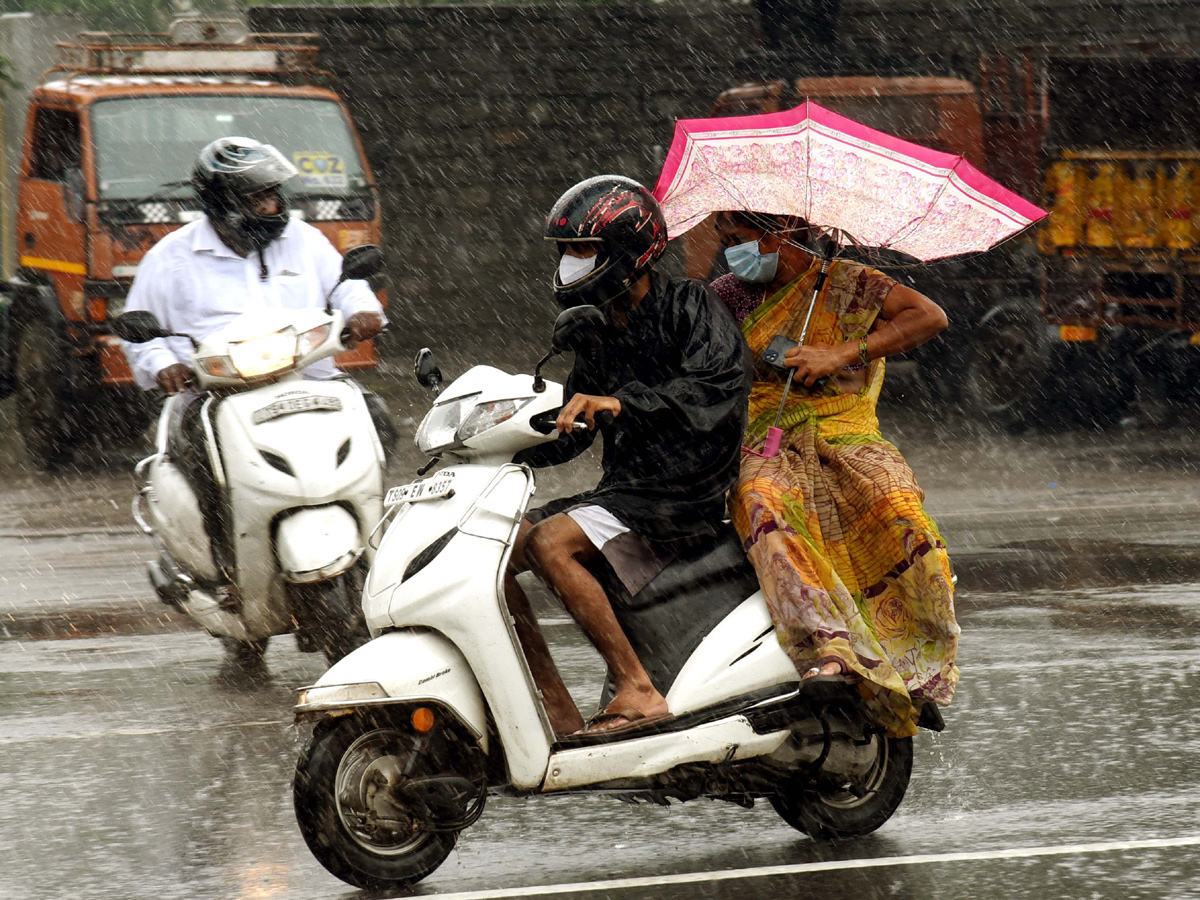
pixel 315 543
pixel 401 667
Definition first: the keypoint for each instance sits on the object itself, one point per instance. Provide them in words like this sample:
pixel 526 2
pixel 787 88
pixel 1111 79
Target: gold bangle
pixel 863 354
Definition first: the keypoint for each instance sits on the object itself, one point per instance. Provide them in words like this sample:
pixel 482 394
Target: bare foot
pixel 832 667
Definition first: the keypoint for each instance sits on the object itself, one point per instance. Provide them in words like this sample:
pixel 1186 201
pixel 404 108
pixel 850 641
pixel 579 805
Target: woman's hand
pixel 586 405
pixel 815 361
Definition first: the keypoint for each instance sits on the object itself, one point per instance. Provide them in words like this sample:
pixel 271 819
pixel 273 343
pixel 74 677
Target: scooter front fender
pixel 400 668
pixel 315 543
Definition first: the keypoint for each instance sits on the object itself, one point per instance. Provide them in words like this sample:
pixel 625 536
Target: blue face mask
pixel 747 263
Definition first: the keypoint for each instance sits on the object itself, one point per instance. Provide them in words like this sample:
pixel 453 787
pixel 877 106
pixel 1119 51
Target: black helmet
pixel 624 219
pixel 228 172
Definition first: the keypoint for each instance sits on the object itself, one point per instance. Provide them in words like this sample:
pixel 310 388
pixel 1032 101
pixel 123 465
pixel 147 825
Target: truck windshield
pixel 1124 104
pixel 145 146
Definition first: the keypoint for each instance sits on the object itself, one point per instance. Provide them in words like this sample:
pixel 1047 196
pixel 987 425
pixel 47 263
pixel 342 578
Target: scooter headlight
pixel 489 415
pixel 439 428
pixel 264 355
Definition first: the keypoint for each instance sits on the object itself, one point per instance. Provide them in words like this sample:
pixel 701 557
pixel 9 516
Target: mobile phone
pixel 773 355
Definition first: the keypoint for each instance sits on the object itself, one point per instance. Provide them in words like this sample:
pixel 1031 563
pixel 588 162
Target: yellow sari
pixel 851 566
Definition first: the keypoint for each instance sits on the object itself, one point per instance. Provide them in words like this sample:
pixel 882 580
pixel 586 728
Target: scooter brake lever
pixel 429 465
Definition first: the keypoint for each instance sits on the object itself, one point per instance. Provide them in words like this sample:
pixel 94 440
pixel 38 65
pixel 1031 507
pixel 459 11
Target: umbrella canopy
pixel 875 189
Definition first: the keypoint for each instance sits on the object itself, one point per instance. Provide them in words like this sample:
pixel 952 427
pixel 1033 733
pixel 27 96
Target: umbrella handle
pixel 770 447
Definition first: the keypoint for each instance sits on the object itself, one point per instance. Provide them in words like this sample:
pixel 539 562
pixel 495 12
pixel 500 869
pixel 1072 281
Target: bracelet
pixel 863 354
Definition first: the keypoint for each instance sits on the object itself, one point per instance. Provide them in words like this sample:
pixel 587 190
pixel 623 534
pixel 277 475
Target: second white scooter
pixel 297 475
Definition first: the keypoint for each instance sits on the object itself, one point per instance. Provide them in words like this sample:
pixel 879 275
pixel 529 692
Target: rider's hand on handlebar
pixel 587 406
pixel 813 362
pixel 175 378
pixel 363 326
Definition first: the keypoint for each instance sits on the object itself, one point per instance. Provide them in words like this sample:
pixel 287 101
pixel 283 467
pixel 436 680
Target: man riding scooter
pixel 667 388
pixel 246 252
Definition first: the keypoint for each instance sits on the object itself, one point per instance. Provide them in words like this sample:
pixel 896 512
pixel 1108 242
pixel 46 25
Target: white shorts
pixel 598 524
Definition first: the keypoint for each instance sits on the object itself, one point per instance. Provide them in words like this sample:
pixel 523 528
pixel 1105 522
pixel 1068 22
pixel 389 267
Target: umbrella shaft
pixel 820 283
pixel 783 400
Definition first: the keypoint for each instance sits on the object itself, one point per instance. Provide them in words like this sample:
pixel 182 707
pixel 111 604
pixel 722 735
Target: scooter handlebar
pixel 543 422
pixel 345 337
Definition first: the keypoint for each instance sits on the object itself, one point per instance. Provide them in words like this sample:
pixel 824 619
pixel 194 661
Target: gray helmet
pixel 227 173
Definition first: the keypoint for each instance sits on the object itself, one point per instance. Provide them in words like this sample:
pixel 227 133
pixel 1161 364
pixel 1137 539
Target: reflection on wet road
pixel 135 765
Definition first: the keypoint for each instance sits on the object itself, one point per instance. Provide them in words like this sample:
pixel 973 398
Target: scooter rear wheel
pixel 343 809
pixel 827 808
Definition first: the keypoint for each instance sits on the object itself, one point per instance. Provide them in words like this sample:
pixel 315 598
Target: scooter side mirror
pixel 578 329
pixel 426 369
pixel 362 262
pixel 137 327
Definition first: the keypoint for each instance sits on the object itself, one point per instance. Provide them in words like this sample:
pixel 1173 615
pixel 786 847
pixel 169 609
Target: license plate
pixel 295 405
pixel 435 488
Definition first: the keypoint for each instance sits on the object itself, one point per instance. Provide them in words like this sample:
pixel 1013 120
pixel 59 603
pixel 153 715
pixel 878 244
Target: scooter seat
pixel 668 618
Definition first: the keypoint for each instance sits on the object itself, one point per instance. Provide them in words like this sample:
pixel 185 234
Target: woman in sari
pixel 854 572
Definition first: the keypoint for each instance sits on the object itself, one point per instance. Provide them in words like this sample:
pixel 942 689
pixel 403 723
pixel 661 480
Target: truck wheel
pixel 347 796
pixel 827 808
pixel 41 412
pixel 1007 367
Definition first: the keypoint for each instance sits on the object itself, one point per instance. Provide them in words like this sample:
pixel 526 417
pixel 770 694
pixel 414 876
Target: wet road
pixel 135 765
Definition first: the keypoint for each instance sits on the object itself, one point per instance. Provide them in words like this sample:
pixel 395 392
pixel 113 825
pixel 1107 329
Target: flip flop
pixel 635 718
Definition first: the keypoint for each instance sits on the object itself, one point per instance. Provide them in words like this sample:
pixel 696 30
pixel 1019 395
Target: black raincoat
pixel 681 372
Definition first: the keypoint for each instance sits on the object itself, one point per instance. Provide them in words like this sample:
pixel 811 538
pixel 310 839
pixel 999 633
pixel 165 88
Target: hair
pixel 770 224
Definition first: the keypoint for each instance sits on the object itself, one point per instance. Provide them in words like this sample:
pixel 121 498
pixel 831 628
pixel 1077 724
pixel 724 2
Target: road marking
pixel 830 866
pixel 136 732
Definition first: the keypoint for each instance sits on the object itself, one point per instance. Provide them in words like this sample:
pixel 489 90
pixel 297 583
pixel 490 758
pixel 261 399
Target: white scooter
pixel 297 468
pixel 412 731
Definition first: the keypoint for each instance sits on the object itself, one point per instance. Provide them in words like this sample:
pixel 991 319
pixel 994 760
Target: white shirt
pixel 195 285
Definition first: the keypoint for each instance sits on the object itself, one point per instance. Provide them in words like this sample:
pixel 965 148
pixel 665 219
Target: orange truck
pixel 111 132
pixel 1098 306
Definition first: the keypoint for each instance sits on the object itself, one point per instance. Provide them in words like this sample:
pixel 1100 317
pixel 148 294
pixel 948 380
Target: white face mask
pixel 572 268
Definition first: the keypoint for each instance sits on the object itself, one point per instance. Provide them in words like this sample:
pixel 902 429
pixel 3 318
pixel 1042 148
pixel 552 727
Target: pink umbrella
pixel 863 186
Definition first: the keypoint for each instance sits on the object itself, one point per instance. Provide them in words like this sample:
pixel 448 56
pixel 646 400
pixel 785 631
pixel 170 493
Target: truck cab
pixel 112 133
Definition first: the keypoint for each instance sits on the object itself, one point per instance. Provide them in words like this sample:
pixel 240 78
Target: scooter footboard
pixel 400 668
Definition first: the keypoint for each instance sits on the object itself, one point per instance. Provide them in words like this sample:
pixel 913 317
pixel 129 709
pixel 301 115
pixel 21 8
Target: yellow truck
pixel 1098 307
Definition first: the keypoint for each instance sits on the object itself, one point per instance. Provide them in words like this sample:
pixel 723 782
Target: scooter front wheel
pixel 346 804
pixel 826 807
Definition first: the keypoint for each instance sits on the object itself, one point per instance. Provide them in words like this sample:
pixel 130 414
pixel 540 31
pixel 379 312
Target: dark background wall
pixel 476 118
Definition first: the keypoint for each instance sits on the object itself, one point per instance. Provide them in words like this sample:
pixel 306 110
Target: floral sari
pixel 851 566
